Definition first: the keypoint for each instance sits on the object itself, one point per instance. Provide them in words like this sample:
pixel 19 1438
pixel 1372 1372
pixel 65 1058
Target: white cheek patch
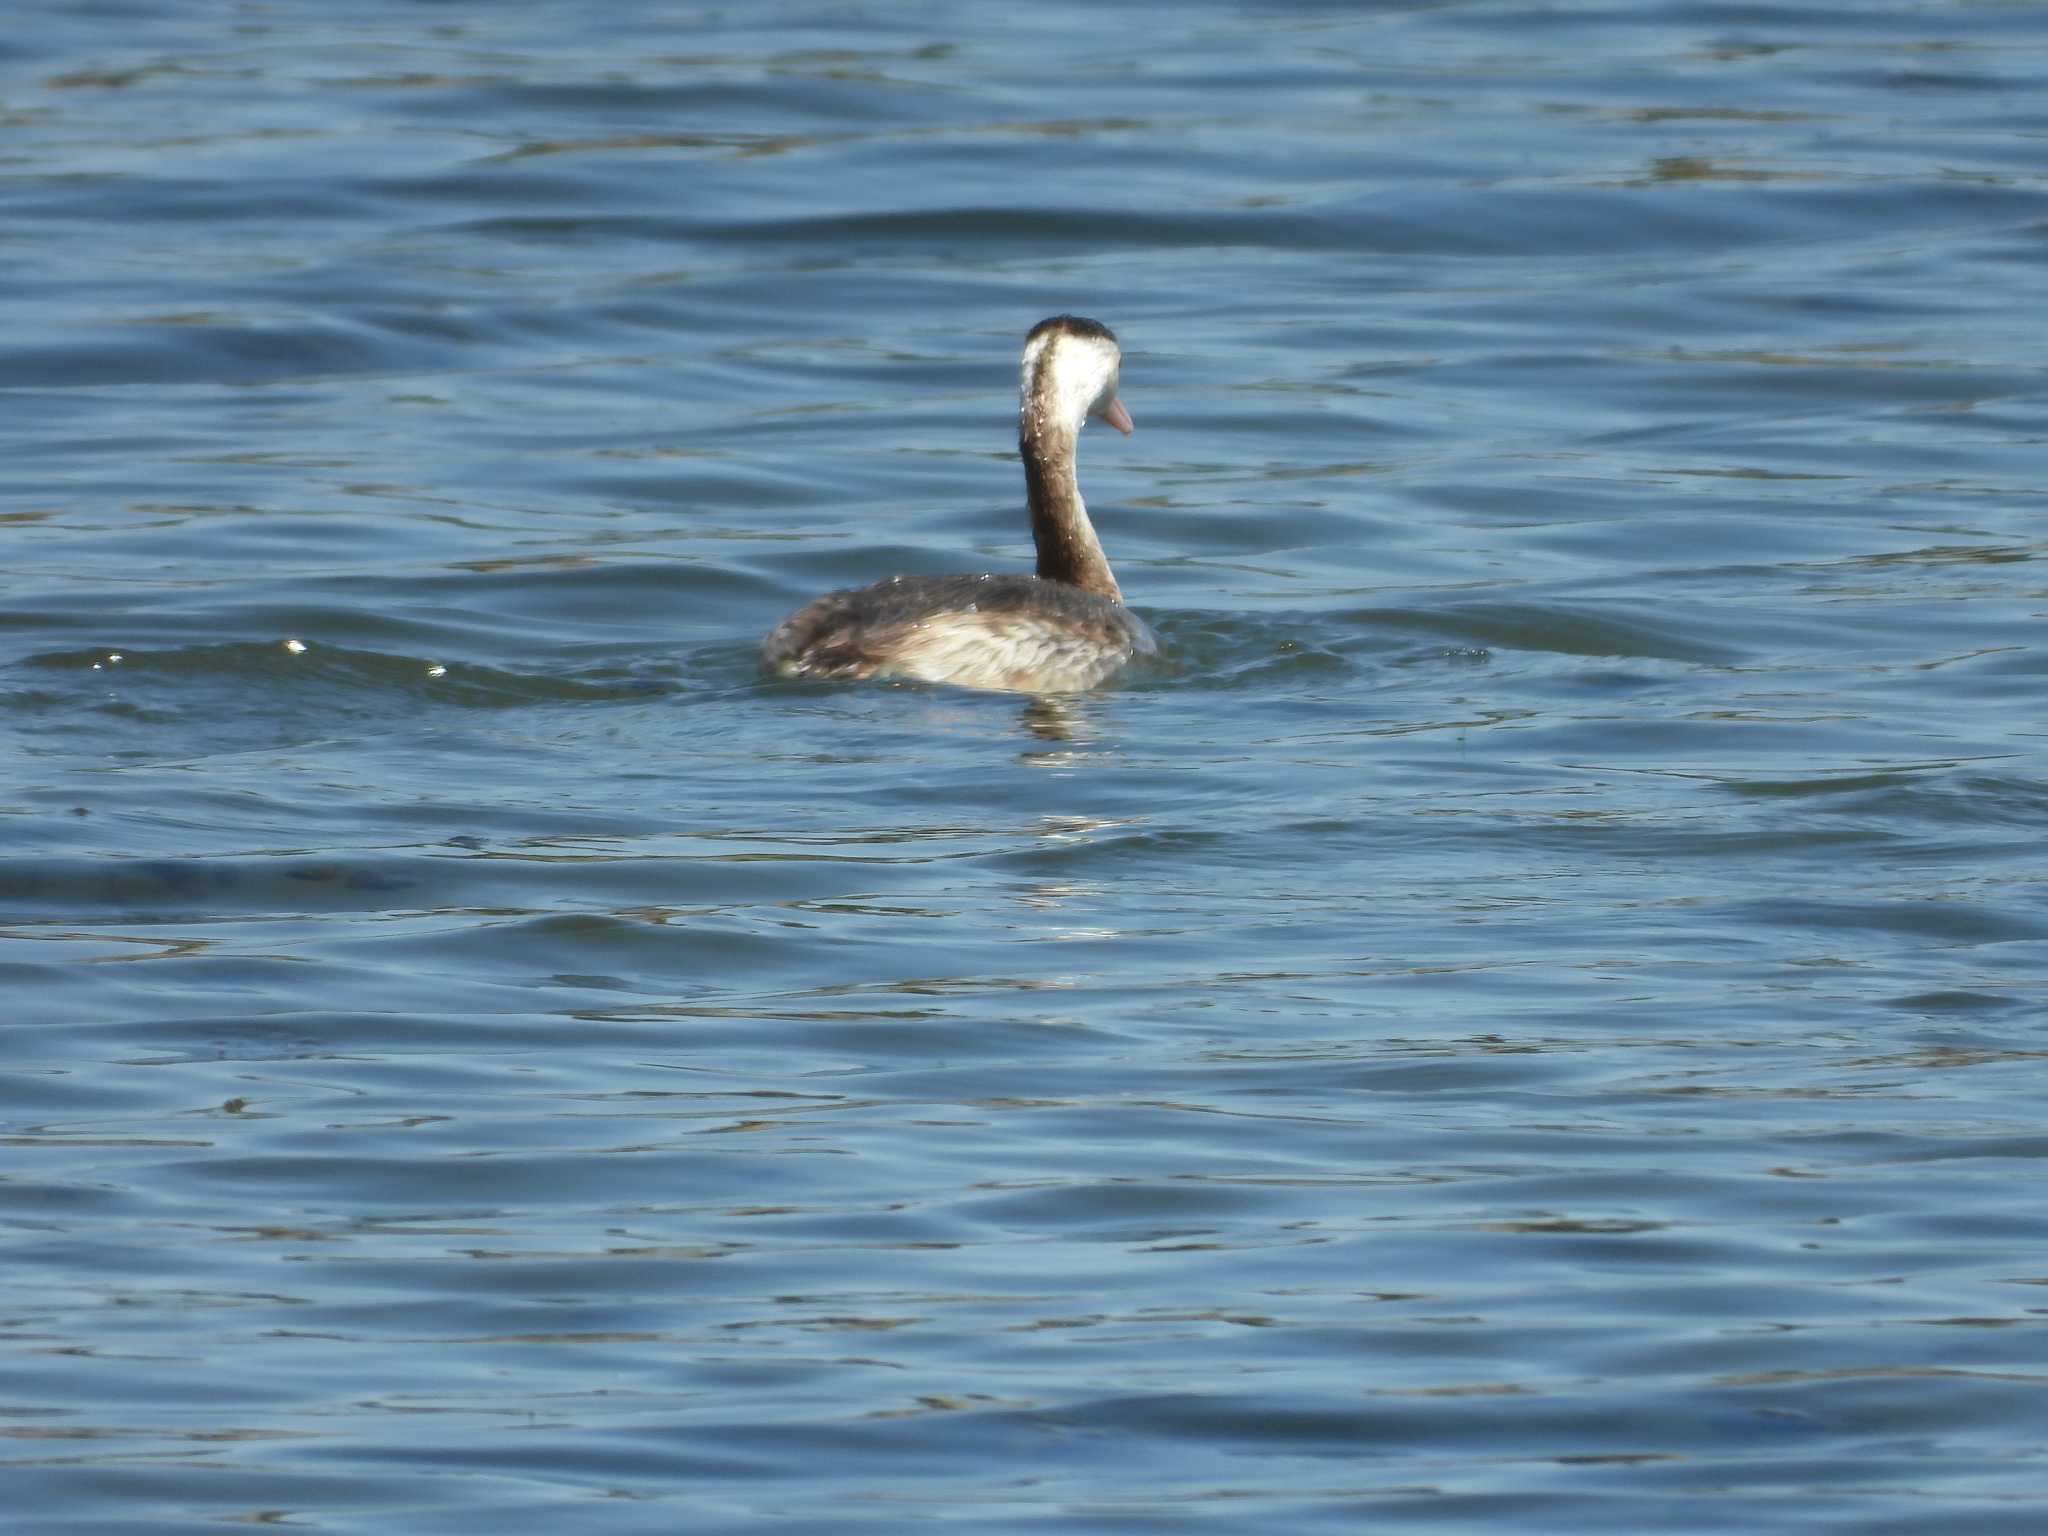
pixel 1083 374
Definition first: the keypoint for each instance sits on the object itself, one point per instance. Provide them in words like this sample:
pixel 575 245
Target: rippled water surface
pixel 1529 1019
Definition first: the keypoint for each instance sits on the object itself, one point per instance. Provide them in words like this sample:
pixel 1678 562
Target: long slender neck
pixel 1067 547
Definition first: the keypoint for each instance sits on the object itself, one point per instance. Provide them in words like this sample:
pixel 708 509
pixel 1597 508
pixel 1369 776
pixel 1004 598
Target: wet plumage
pixel 1009 631
pixel 1063 629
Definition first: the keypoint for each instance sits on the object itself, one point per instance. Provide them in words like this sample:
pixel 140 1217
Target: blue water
pixel 1530 1019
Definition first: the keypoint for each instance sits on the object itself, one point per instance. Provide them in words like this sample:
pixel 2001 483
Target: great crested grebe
pixel 1059 631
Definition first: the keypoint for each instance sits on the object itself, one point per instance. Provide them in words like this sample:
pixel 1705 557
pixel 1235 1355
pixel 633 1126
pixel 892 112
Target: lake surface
pixel 1530 1018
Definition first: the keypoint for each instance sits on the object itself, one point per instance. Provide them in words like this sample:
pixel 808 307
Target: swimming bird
pixel 1061 630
